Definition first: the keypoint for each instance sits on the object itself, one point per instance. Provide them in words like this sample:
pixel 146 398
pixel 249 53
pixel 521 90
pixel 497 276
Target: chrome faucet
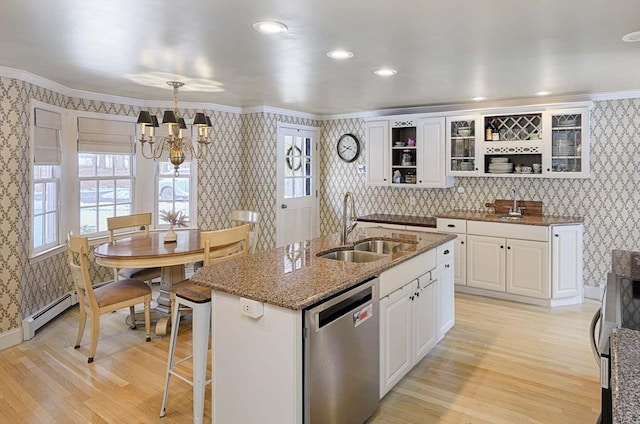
pixel 345 231
pixel 515 210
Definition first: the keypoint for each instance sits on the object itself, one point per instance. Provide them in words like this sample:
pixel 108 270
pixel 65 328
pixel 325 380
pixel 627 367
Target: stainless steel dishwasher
pixel 341 357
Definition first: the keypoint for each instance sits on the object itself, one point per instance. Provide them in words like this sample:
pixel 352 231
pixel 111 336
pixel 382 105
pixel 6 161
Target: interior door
pixel 297 208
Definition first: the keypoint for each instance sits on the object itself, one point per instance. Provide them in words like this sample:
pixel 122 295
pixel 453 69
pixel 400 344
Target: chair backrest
pixel 222 245
pixel 239 217
pixel 138 221
pixel 77 255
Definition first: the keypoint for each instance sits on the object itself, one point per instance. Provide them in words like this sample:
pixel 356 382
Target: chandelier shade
pixel 175 144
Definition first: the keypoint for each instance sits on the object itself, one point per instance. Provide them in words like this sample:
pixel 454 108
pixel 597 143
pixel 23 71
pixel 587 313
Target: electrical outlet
pixel 362 168
pixel 251 308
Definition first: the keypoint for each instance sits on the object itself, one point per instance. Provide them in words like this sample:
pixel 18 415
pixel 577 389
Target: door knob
pixel 283 206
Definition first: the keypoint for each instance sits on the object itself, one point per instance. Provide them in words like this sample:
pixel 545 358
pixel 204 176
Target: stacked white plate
pixel 500 166
pixel 565 148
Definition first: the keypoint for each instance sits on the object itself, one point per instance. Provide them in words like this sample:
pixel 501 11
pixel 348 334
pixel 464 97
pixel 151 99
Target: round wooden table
pixel 150 252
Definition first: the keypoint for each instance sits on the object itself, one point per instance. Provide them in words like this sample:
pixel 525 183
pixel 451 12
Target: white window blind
pixel 46 143
pixel 104 136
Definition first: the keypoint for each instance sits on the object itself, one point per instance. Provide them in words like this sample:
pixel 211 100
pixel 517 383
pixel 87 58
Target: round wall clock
pixel 348 147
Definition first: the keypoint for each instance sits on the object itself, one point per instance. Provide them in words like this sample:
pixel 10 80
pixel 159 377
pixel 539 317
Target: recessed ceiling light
pixel 632 37
pixel 340 54
pixel 270 27
pixel 543 93
pixel 385 72
pixel 479 98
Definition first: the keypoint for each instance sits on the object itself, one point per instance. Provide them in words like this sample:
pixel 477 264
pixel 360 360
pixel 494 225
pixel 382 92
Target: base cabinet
pixel 566 260
pixel 509 265
pixel 407 329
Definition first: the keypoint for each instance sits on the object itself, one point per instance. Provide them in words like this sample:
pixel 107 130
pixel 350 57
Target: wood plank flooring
pixel 503 362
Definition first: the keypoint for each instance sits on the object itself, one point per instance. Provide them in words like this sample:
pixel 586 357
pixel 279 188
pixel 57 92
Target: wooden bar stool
pixel 220 245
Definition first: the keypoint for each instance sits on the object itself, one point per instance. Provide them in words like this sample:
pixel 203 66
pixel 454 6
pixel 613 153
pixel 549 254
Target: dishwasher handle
pixel 342 304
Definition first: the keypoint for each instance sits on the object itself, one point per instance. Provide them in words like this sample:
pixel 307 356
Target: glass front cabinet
pixel 569 138
pixel 462 137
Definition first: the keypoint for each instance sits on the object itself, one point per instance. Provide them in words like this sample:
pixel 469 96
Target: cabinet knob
pixel 476 169
pixel 548 170
pixel 446 252
pixel 508 247
pixel 501 247
pixel 417 294
pixel 411 297
pixel 556 235
pixel 446 266
pixel 461 242
pixel 283 206
pixel 420 181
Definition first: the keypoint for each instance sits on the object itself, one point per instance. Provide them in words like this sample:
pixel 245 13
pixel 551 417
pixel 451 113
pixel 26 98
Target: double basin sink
pixel 368 251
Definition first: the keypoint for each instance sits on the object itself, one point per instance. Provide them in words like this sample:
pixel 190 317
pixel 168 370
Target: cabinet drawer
pixel 512 231
pixel 445 252
pixel 396 277
pixel 448 225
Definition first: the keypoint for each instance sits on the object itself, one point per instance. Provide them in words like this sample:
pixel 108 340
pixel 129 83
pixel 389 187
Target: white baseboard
pixel 552 303
pixel 593 292
pixel 10 338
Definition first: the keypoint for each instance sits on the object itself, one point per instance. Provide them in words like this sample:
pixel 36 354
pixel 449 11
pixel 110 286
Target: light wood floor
pixel 503 362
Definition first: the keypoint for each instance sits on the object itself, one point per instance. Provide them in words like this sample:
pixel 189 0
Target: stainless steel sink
pixel 508 217
pixel 352 256
pixel 383 246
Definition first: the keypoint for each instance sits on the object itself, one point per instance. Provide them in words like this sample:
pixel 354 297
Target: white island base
pixel 257 364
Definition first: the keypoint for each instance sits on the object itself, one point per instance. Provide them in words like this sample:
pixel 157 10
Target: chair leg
pixel 200 340
pixel 132 312
pixel 95 332
pixel 147 319
pixel 175 323
pixel 83 322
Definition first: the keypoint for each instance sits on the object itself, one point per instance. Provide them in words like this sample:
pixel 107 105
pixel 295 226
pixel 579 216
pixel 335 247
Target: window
pixel 174 193
pixel 105 172
pixel 46 180
pixel 297 171
pixel 106 189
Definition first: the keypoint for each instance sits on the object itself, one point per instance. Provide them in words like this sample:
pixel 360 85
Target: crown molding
pixel 280 111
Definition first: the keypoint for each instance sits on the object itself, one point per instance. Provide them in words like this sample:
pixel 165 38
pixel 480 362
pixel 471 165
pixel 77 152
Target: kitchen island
pixel 258 362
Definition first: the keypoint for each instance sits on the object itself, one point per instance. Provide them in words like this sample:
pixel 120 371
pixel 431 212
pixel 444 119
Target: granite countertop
pixel 294 278
pixel 625 375
pixel 417 221
pixel 543 220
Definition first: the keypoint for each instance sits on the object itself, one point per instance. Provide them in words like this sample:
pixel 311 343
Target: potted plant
pixel 175 219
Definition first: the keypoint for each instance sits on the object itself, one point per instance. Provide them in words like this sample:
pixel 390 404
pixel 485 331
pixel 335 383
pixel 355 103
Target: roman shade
pixel 105 136
pixel 46 134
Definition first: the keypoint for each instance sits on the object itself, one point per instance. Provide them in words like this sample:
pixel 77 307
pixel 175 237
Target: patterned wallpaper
pixel 239 173
pixel 609 201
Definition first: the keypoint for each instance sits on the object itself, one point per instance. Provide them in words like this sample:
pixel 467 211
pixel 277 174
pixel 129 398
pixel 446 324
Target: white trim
pixel 552 303
pixel 164 104
pixel 10 338
pixel 616 95
pixel 280 111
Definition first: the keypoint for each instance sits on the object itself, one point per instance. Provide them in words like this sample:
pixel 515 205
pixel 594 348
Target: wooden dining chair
pixel 108 298
pixel 240 217
pixel 219 245
pixel 140 223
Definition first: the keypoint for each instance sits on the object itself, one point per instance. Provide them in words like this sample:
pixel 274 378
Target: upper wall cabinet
pixel 407 151
pixel 552 143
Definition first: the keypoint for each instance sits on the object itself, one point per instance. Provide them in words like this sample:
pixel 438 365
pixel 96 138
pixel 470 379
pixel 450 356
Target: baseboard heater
pixel 49 312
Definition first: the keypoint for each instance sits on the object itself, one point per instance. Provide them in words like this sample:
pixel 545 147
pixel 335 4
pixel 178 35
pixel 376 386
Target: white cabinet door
pixel 566 132
pixel 460 260
pixel 396 338
pixel 377 147
pixel 424 315
pixel 566 259
pixel 486 262
pixel 445 295
pixel 431 160
pixel 528 268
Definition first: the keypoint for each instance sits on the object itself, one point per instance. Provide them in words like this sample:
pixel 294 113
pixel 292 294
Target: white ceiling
pixel 445 51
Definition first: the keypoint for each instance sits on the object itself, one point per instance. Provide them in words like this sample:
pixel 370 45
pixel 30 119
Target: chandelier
pixel 174 143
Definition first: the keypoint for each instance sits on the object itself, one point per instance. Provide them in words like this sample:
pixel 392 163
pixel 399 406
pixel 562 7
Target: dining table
pixel 152 251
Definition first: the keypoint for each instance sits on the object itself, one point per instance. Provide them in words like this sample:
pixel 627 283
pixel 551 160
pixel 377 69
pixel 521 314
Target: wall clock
pixel 348 147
